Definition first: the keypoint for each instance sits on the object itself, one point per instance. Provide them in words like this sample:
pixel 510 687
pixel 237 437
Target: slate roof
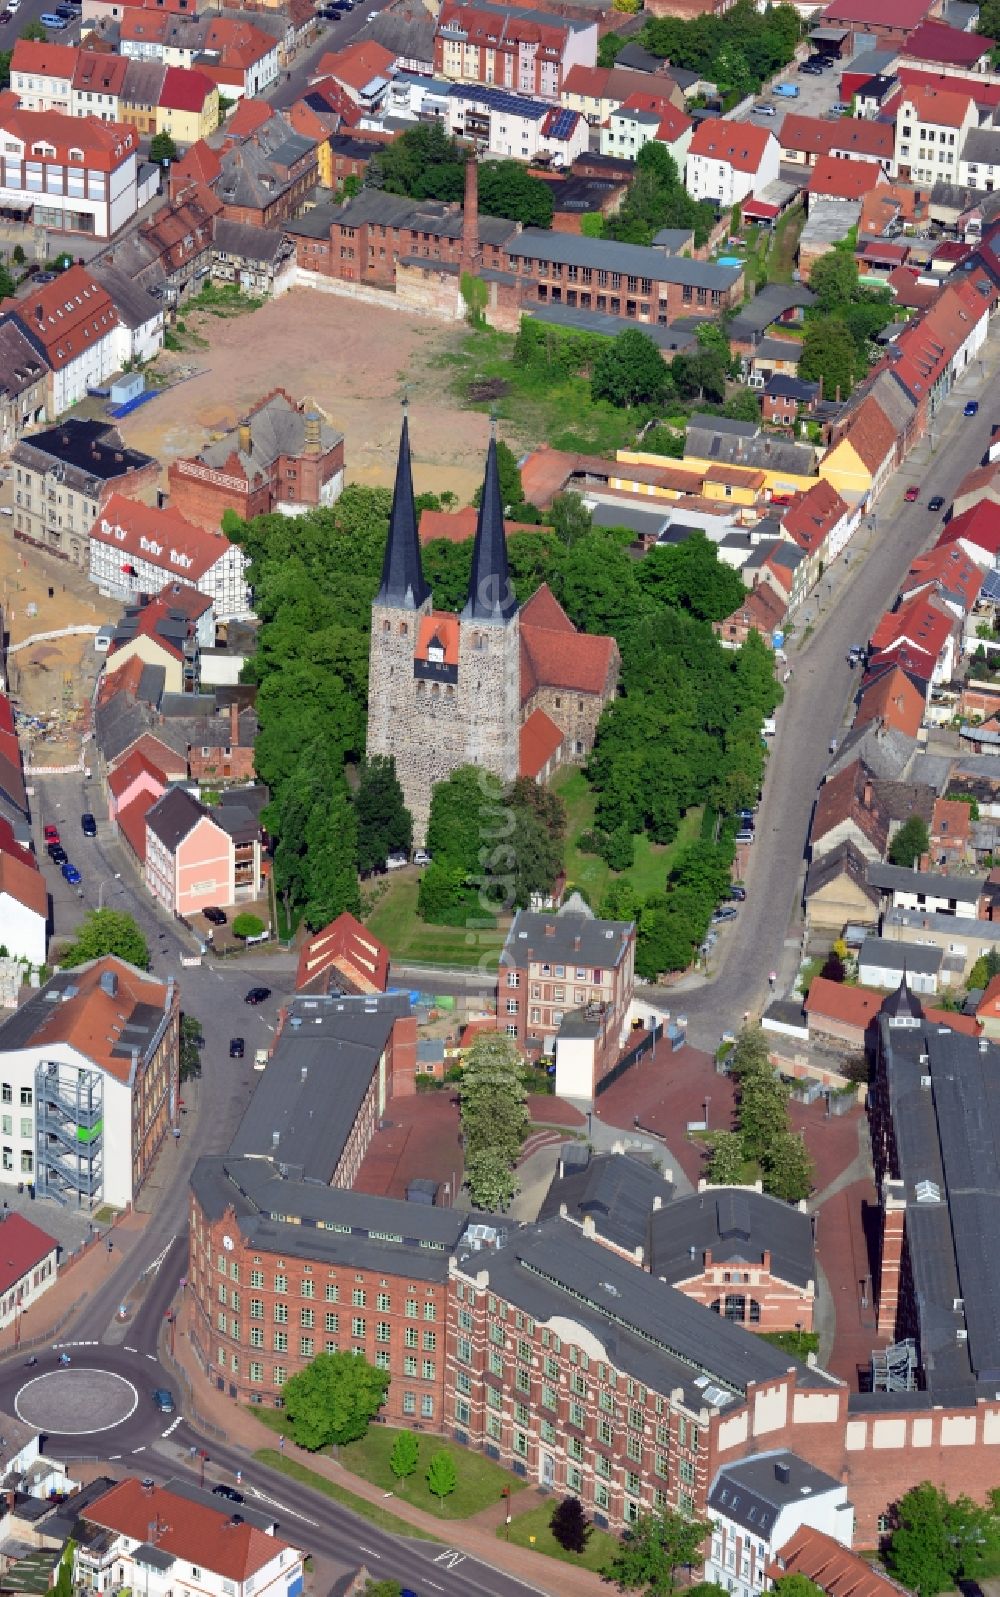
pixel 90 450
pixel 403 582
pixel 173 816
pixel 277 427
pixel 573 249
pixel 844 860
pixel 734 1224
pixel 409 34
pixel 850 797
pixel 249 243
pixel 554 939
pixel 934 884
pixel 134 305
pixel 885 953
pixel 491 594
pixel 616 1190
pixel 754 1491
pixel 308 1099
pixel 766 307
pixel 21 364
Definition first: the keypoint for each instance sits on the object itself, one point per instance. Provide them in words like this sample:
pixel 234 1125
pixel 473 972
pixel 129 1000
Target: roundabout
pixel 76 1402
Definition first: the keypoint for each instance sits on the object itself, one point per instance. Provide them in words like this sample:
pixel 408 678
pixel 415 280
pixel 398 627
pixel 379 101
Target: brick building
pixel 266 177
pixel 65 475
pixel 282 456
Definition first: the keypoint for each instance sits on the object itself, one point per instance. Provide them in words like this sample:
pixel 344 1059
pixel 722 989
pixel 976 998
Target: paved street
pixel 817 707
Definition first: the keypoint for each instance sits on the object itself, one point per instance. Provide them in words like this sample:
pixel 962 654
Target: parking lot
pixel 816 96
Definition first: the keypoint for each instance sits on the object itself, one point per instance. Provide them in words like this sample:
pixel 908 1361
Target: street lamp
pixel 707 1102
pixel 100 891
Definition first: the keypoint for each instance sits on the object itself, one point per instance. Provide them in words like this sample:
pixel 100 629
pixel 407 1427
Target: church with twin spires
pixel 516 691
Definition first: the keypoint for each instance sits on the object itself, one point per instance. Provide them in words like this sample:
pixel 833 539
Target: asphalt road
pixel 818 706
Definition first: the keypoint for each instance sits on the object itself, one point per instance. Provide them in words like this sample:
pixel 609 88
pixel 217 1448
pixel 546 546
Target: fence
pixel 627 1060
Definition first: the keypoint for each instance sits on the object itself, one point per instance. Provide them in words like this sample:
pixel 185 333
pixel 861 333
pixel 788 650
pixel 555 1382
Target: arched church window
pixel 404 629
pixel 386 626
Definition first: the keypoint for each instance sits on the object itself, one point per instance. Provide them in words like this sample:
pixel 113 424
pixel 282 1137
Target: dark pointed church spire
pixel 491 593
pixel 403 584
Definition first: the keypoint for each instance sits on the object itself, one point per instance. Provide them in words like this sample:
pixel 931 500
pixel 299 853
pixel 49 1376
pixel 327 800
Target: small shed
pixel 129 386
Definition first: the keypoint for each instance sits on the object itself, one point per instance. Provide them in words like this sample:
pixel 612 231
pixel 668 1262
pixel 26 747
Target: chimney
pixel 234 724
pixel 782 1473
pixel 470 217
pixel 312 443
pixel 867 796
pixel 245 443
pixel 39 315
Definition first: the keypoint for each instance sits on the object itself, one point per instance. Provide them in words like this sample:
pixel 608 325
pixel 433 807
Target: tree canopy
pixel 334 1400
pixel 654 1550
pixel 630 370
pixel 107 931
pixel 494 1118
pixel 657 198
pixel 910 842
pixel 939 1543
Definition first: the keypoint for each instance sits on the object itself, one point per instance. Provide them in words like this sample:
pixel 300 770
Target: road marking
pixel 369 1552
pixel 434 1584
pixel 141 1449
pixel 131 1349
pixel 113 1456
pixel 273 1502
pixel 172 1427
pixel 449 1558
pixel 152 1356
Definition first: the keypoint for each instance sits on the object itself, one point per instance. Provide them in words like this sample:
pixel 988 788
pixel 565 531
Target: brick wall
pixel 768 1303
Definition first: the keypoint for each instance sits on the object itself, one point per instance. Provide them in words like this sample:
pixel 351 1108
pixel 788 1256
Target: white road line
pixel 113 1456
pixel 151 1356
pixel 172 1427
pixel 141 1449
pixel 131 1349
pixel 369 1552
pixel 273 1502
pixel 434 1584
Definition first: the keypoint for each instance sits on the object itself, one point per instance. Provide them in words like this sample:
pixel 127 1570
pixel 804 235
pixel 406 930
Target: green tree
pixel 442 1476
pixel 762 1113
pixel 732 73
pixel 190 1049
pixel 653 1550
pixel 383 1588
pixel 742 406
pixel 725 1160
pixel 506 189
pixel 828 353
pixel 796 1586
pixel 405 1455
pixel 162 149
pixel 492 1098
pixel 63 1586
pixel 461 807
pixel 424 163
pixel 491 1180
pixel 7 283
pixel 107 931
pixel 608 48
pixel 834 280
pixel 334 1400
pixel 985 968
pixel 569 1525
pixel 788 1169
pixel 569 517
pixel 331 848
pixel 34 30
pixel 936 1540
pixel 910 842
pixel 385 825
pixel 750 1054
pixel 592 224
pixel 247 925
pixel 691 577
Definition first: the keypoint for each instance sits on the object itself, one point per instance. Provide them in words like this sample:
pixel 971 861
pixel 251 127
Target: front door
pixel 547 1470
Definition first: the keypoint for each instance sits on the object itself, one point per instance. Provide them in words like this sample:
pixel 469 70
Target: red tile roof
pixel 816 136
pixel 191 1531
pixel 22 1246
pixel 908 291
pixel 853 1006
pixel 357 64
pixel 555 655
pixel 917 621
pixel 23 883
pixel 249 117
pixel 10 845
pixel 837 178
pixel 762 609
pixel 989 1004
pixel 93 1021
pixel 97 70
pixel 44 60
pixel 850 796
pixel 925 348
pixel 160 756
pixel 163 538
pixel 105 145
pixel 185 89
pixel 946 568
pixel 834 1000
pixel 131 767
pixel 200 163
pixel 11 770
pixel 871 434
pixel 737 144
pixel 673 122
pixel 539 740
pixel 440 628
pixel 935 41
pixel 67 316
pixel 811 516
pixel 900 14
pixel 939 107
pixel 609 83
pixel 346 950
pixel 984 93
pixel 891 697
pixel 979 525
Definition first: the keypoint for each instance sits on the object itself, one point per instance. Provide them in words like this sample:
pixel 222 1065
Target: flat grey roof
pixel 566 938
pixel 899 879
pixel 887 953
pixel 670 338
pixel 634 260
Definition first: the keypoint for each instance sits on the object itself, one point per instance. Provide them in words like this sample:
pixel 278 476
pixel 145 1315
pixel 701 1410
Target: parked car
pixel 840 108
pixel 164 1400
pixel 971 407
pixel 257 995
pixel 88 824
pixel 55 24
pixel 229 1493
pixel 738 894
pixel 421 857
pixel 6 15
pixel 237 1047
pixel 911 495
pixel 764 110
pixel 71 873
pixel 936 502
pixel 51 833
pixel 216 916
pixel 57 854
pixel 744 836
pixel 725 914
pixel 66 12
pixel 810 71
pixel 821 61
pixel 396 862
pixel 788 91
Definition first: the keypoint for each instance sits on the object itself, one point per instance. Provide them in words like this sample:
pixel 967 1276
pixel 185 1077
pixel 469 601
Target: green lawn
pixel 358 1505
pixel 541 406
pixel 394 919
pixel 480 1481
pixel 535 1523
pixel 652 861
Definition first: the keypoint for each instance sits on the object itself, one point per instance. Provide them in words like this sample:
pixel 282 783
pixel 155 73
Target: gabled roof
pixel 935 41
pixel 844 860
pixel 826 1562
pixel 949 571
pixel 939 107
pixel 185 89
pixel 174 816
pixel 539 738
pixel 738 144
pixel 871 434
pixel 43 59
pixel 917 621
pixel 358 64
pixel 135 764
pixel 761 608
pixel 100 72
pixel 107 1010
pixel 200 163
pixel 25 884
pixel 850 797
pixel 162 538
pixel 343 957
pixel 979 525
pixel 555 655
pixel 817 136
pixel 901 14
pixel 189 1531
pixel 840 178
pixel 811 516
pixel 66 317
pixel 22 1246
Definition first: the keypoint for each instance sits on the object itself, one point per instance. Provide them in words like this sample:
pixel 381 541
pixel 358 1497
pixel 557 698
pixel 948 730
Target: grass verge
pixel 480 1481
pixel 531 1530
pixel 781 259
pixel 382 1517
pixel 394 919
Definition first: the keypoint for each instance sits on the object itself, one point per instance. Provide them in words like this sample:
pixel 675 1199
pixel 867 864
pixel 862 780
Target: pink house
pixel 196 856
pixel 136 775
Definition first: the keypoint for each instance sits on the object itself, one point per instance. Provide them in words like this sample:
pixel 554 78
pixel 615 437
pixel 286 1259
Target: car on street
pixel 163 1400
pixel 936 502
pixel 71 873
pixel 215 915
pixel 738 894
pixel 6 15
pixel 51 833
pixel 396 862
pixel 764 110
pixel 57 854
pixel 971 407
pixel 88 824
pixel 839 108
pixel 421 857
pixel 228 1492
pixel 237 1047
pixel 725 914
pixel 810 70
pixel 257 995
pixel 744 836
pixel 911 495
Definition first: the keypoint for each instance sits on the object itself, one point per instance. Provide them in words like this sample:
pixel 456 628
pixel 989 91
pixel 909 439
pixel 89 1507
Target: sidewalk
pixel 81 1281
pixel 474 1536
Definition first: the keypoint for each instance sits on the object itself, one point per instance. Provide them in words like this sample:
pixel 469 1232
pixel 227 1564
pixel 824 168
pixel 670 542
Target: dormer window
pixel 435 651
pixel 76 155
pixel 41 148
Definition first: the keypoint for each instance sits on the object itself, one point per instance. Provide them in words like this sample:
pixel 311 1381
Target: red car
pixel 52 834
pixel 912 495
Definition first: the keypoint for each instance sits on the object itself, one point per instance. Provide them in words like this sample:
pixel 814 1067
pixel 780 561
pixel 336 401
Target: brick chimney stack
pixel 470 217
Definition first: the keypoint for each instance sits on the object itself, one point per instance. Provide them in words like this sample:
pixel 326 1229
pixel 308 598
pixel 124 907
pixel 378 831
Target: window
pixel 430 1310
pixel 6 1093
pixel 308 1288
pixel 26 1097
pixel 281 1314
pixel 383 1331
pixel 307 1346
pixel 409 1402
pixel 384 1302
pixel 357 1326
pixel 409 1365
pixel 462 1411
pixel 426 1406
pixel 410 1336
pixel 257 1278
pixel 332 1292
pixel 281 1341
pixel 358 1297
pixel 411 1308
pixel 307 1318
pixel 281 1283
pixel 430 1341
pixel 331 1322
pixel 427 1369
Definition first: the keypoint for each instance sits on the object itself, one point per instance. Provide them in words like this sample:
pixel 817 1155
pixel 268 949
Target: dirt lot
pixel 353 360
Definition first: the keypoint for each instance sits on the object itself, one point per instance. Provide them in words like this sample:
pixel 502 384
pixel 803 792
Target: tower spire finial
pixel 403 585
pixel 491 593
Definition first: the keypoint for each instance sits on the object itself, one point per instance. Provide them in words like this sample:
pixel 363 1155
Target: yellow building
pixel 743 485
pixel 151 651
pixel 844 469
pixel 189 105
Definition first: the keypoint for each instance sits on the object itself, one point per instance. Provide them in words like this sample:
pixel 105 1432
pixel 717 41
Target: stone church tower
pixel 444 690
